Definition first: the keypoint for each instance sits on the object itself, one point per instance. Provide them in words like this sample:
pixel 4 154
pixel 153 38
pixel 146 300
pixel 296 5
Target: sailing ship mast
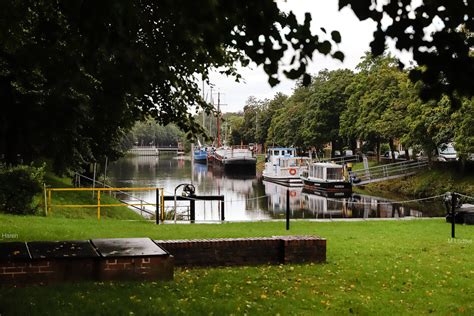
pixel 218 119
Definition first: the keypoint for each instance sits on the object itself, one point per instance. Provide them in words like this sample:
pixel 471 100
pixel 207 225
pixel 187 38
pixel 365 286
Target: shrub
pixel 18 187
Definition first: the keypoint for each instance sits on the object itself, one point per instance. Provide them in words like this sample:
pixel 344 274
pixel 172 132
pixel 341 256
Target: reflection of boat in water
pixel 355 206
pixel 277 194
pixel 234 157
pixel 326 179
pixel 284 167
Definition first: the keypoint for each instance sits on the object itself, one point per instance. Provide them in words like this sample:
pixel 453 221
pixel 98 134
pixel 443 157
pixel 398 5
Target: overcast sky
pixel 356 37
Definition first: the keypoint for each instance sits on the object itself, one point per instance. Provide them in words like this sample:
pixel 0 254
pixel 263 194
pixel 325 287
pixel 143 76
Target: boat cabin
pixel 326 172
pixel 274 154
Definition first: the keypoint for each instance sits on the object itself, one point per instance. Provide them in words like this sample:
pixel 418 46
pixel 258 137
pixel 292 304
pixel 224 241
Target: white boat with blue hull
pixel 284 167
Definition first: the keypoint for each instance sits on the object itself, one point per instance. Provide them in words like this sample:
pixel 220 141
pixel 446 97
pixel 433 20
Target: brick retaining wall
pixel 246 251
pixel 47 262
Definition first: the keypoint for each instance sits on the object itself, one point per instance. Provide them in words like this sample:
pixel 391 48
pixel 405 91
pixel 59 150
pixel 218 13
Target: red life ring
pixel 292 171
pixel 293 193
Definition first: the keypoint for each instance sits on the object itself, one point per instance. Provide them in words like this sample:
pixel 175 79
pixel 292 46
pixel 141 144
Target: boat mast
pixel 218 119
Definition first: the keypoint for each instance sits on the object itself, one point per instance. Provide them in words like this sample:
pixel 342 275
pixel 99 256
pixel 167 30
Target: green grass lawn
pixel 373 267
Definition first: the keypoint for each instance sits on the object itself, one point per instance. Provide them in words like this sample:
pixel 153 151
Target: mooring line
pixel 388 203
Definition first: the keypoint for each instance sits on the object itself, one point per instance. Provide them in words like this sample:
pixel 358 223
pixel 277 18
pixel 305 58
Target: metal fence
pixel 389 171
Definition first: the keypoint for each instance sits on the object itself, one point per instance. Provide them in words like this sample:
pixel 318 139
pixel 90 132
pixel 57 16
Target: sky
pixel 356 37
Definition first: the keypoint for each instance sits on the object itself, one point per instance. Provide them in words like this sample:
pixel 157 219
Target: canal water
pixel 247 197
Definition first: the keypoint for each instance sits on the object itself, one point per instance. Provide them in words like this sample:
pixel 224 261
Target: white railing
pixel 388 171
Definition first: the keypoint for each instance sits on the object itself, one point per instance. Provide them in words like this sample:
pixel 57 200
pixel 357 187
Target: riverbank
pixel 82 198
pixel 434 181
pixel 374 267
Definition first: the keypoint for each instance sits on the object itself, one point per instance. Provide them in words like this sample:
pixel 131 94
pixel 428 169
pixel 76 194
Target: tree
pixel 75 75
pixel 252 110
pixel 328 99
pixel 375 105
pixel 444 60
pixel 285 128
pixel 266 114
pixel 463 122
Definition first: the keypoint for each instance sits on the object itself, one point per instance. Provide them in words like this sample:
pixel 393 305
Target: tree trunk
pixel 377 150
pixel 392 149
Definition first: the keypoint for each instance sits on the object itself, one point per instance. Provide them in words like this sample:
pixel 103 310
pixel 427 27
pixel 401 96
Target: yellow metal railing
pixel 159 198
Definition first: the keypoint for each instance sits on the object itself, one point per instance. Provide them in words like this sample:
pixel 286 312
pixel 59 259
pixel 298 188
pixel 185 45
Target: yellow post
pixel 45 200
pixel 49 202
pixel 98 205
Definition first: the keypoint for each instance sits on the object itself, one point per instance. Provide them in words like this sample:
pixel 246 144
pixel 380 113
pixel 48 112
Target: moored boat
pixel 326 179
pixel 282 166
pixel 200 155
pixel 234 157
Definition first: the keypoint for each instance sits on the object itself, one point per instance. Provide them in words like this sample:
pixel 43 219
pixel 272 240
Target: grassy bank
pixel 83 198
pixel 377 267
pixel 427 183
pixel 260 163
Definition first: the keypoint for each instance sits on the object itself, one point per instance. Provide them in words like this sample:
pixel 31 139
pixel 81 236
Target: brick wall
pixel 246 251
pixel 98 269
pixel 207 252
pixel 133 268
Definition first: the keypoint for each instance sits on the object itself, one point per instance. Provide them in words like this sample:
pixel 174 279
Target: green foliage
pixel 463 123
pixel 328 99
pixel 76 75
pixel 428 183
pixel 150 133
pixel 18 187
pixel 445 57
pixel 285 128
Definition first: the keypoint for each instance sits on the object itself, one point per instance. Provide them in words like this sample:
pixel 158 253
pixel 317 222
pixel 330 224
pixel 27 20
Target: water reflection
pixel 247 197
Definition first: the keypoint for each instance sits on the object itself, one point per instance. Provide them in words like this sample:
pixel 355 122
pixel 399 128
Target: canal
pixel 247 197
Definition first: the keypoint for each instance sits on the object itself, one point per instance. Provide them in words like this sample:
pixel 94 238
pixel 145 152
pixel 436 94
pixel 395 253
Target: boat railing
pixel 340 160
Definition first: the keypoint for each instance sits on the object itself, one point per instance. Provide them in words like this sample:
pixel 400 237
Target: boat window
pixel 320 172
pixel 334 174
pixel 276 152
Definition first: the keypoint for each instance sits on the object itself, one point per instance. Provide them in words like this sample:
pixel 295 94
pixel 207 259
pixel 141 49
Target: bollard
pixel 453 215
pixel 287 209
pixel 157 212
pixel 222 209
pixel 192 206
